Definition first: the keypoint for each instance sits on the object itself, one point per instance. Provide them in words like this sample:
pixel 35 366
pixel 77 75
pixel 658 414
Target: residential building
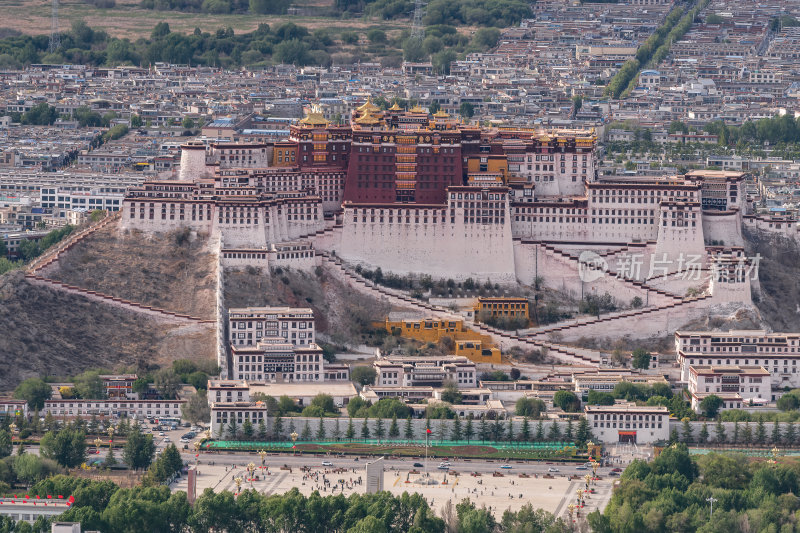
pixel 737 385
pixel 425 371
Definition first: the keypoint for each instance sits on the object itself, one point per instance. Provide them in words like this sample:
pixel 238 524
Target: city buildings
pixel 626 422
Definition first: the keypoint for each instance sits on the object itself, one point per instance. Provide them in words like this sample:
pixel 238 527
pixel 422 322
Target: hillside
pixel 173 271
pixel 341 313
pixel 779 299
pixel 46 332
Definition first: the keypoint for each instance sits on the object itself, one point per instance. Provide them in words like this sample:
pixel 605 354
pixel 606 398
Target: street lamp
pixel 197 447
pixel 711 500
pixel 110 433
pixel 251 468
pixel 580 497
pixel 97 443
pixel 238 481
pixel 294 436
pixel 263 455
pixel 587 478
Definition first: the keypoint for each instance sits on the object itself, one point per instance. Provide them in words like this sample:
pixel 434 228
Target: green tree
pixel 525 432
pixel 379 429
pixel 321 429
pixel 710 405
pixel 457 433
pixel 469 430
pixel 566 400
pixel 529 407
pixel 5 443
pixel 719 431
pixel 365 429
pixel 376 36
pixel 703 437
pixel 599 398
pixel 569 432
pixel 277 428
pixel 554 433
pixel 139 449
pixel 136 121
pixel 761 431
pixel 167 383
pixel 350 433
pixel 747 434
pixel 450 393
pixel 34 391
pixel 466 110
pixel 540 431
pixel 788 437
pixel 363 375
pixel 196 408
pixel 409 431
pixel 247 429
pixel 687 431
pixel 67 447
pixel 305 435
pixel 483 429
pixel 641 357
pixel 394 430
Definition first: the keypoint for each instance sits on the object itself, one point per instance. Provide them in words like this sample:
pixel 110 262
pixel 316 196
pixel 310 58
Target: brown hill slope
pixel 50 332
pixel 171 271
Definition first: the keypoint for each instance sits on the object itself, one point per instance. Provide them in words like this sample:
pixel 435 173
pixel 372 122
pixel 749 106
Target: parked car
pixel 327 463
pixel 581 467
pixel 507 467
pixel 612 473
pixel 616 470
pixel 418 465
pixel 553 469
pixel 160 433
pixel 444 463
pixel 166 439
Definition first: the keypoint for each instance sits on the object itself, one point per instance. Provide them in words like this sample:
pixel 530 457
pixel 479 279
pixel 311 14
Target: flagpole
pixel 427 432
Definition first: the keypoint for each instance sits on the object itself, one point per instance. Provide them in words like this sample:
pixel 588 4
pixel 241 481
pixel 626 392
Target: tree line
pixel 103 506
pixel 654 49
pixel 671 495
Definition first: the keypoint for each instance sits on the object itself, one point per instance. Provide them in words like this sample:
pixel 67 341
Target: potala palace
pixel 415 193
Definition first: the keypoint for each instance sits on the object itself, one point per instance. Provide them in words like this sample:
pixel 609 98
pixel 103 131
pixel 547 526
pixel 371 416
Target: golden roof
pixel 395 107
pixel 367 119
pixel 441 114
pixel 417 109
pixel 314 117
pixel 368 106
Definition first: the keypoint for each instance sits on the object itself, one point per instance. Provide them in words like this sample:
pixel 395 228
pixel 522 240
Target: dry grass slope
pixel 779 301
pixel 169 271
pixel 49 332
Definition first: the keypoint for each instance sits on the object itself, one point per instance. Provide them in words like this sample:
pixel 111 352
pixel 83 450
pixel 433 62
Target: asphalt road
pixel 459 465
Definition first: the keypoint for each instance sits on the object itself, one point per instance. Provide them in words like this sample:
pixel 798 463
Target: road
pixel 483 466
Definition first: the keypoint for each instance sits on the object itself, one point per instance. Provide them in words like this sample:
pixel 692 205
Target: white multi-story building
pixel 735 385
pixel 425 371
pixel 88 199
pixel 138 409
pixel 248 325
pixel 627 422
pixel 604 382
pixel 778 353
pixel 275 360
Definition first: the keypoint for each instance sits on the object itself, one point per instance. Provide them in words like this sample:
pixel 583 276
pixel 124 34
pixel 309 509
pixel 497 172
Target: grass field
pixel 128 20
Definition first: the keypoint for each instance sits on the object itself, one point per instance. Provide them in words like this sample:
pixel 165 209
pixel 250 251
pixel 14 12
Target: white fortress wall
pixel 174 215
pixel 725 227
pixel 438 247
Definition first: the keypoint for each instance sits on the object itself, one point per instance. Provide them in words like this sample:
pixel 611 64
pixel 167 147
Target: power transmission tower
pixel 55 37
pixel 416 29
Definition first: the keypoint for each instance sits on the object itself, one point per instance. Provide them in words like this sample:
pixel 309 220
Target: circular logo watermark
pixel 591 266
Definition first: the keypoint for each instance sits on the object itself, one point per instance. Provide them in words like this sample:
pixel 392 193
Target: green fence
pixel 522 446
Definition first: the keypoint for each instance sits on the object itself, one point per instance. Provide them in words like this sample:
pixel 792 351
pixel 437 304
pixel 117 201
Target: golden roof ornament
pixel 314 117
pixel 368 106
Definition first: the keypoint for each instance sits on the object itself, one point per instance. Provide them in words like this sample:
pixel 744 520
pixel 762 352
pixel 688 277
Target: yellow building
pixel 471 344
pixel 284 154
pixel 502 307
pixel 489 165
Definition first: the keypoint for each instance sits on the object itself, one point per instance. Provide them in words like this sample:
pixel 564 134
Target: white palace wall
pixel 442 249
pixel 724 227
